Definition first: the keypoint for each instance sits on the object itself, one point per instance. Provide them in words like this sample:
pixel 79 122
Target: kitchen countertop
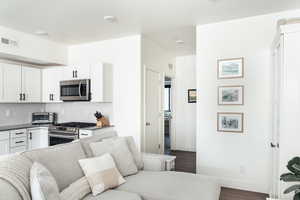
pixel 21 126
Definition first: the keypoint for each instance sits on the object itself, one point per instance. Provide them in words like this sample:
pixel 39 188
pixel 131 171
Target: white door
pixel 4 147
pixel 51 78
pixel 154 113
pixel 37 138
pixel 11 83
pixel 31 84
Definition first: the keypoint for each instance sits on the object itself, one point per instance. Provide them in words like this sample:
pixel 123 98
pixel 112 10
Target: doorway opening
pixel 167 114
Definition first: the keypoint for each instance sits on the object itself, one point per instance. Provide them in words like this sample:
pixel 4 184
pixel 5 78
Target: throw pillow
pixel 137 156
pixel 77 190
pixel 119 150
pixel 101 173
pixel 43 184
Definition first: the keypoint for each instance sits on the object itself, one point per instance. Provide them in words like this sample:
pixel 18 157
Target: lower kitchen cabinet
pixel 37 138
pixel 4 147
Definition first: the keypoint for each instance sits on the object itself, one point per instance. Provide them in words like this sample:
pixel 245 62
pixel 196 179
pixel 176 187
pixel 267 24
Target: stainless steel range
pixel 66 132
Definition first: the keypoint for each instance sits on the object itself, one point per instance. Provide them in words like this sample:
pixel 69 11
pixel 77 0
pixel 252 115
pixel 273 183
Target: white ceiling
pixel 164 21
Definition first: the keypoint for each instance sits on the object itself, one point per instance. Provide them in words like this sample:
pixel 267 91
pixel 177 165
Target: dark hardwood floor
pixel 233 194
pixel 186 162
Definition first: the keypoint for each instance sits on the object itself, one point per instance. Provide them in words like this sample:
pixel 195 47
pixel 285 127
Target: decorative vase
pixel 99 123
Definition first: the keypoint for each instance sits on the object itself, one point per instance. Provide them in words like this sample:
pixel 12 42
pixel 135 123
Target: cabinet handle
pixel 76 74
pixel 24 96
pixel 30 136
pixel 18 142
pixel 20 133
pixel 20 96
pixel 50 97
pixel 84 134
pixel 73 74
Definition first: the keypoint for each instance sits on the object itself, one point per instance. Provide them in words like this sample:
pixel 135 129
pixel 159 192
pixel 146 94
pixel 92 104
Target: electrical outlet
pixel 7 113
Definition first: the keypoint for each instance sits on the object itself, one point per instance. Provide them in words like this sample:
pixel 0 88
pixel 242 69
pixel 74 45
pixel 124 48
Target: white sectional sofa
pixel 62 162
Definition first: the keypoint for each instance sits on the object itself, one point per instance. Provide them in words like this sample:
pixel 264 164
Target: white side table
pixel 159 162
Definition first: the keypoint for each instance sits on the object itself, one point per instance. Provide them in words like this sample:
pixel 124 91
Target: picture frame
pixel 231 95
pixel 231 68
pixel 192 95
pixel 230 122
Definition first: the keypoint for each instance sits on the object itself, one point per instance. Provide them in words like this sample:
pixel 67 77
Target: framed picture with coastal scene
pixel 231 95
pixel 230 122
pixel 231 68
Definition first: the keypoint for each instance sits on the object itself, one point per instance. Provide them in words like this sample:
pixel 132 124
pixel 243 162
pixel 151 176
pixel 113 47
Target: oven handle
pixel 79 89
pixel 62 136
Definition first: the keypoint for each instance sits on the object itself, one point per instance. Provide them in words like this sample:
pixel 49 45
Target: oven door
pixel 75 90
pixel 55 139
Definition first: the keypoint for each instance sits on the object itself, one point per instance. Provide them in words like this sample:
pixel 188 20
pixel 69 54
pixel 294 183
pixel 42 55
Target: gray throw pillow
pixel 42 183
pixel 120 152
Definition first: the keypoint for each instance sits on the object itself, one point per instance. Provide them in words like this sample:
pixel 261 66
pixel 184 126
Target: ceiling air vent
pixel 8 42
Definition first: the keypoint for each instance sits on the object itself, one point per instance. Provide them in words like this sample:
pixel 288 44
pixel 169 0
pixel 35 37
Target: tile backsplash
pixel 11 114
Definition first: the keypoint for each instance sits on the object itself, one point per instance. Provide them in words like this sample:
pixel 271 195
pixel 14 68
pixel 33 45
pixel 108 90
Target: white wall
pixel 238 160
pixel 125 56
pixel 185 113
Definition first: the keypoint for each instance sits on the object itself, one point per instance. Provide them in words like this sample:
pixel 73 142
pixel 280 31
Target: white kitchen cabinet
pixel 31 84
pixel 85 133
pixel 101 82
pixel 37 138
pixel 50 89
pixel 4 143
pixel 77 70
pixel 1 82
pixel 11 82
pixel 4 147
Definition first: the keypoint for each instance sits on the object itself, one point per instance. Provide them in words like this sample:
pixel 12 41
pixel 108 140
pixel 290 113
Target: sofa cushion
pixel 77 190
pixel 171 186
pixel 85 142
pixel 119 150
pixel 43 184
pixel 61 161
pixel 114 195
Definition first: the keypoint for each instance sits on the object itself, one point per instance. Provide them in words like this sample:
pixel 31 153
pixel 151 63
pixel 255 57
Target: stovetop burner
pixel 76 124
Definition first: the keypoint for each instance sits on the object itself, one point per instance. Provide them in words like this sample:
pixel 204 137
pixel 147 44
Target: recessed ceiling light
pixel 110 18
pixel 179 42
pixel 41 33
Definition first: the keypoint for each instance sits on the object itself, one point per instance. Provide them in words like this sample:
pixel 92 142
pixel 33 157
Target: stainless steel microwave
pixel 44 118
pixel 75 90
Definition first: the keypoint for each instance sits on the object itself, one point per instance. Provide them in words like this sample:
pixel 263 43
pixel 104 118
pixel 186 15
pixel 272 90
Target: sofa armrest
pixel 158 162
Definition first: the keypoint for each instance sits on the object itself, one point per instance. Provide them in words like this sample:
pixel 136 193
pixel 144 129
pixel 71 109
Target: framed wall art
pixel 231 68
pixel 192 96
pixel 231 95
pixel 230 122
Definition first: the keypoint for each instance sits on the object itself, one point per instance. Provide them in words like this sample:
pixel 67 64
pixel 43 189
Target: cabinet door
pixel 51 78
pixel 1 82
pixel 77 70
pixel 38 138
pixel 11 82
pixel 31 84
pixel 69 72
pixel 4 147
pixel 101 82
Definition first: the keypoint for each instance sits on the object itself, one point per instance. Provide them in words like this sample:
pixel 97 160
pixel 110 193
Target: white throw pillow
pixel 77 190
pixel 101 173
pixel 136 154
pixel 120 152
pixel 42 183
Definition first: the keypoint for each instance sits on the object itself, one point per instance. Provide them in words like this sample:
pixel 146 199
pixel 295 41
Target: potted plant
pixel 293 176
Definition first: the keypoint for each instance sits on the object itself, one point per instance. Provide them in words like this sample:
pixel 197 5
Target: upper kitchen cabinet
pixel 20 84
pixel 27 48
pixel 77 70
pixel 12 83
pixel 31 84
pixel 101 82
pixel 51 78
pixel 1 82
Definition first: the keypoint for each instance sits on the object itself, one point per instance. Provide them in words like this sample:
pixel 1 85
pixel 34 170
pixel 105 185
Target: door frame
pixel 161 134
